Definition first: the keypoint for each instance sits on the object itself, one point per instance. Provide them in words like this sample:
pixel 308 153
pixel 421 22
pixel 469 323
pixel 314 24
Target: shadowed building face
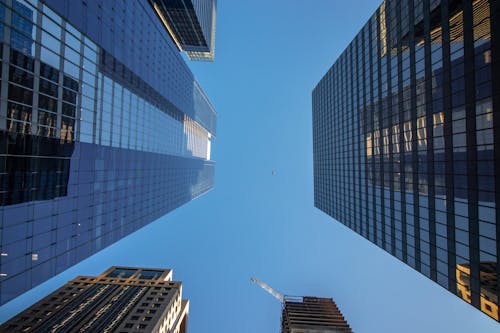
pixel 405 142
pixel 312 315
pixel 122 299
pixel 191 25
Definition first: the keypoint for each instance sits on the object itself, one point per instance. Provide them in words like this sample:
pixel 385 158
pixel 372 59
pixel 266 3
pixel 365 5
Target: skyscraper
pixel 103 129
pixel 406 141
pixel 312 315
pixel 192 25
pixel 122 299
pixel 307 314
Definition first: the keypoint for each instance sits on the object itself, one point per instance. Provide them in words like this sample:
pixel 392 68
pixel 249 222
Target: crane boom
pixel 270 290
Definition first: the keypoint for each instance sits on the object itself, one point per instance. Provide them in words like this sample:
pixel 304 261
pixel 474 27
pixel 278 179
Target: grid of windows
pixel 312 314
pixel 404 142
pixel 191 24
pixel 122 299
pixel 112 113
pixel 92 146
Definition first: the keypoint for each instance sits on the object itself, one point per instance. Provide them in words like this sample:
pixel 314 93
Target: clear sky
pixel 270 54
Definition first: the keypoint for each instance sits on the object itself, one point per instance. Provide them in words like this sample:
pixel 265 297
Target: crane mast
pixel 270 290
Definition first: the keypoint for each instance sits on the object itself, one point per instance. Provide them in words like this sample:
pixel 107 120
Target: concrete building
pixel 312 315
pixel 122 299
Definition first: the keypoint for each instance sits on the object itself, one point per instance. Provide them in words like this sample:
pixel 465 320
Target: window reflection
pixel 489 288
pixel 23 33
pixel 59 100
pixel 412 83
pixel 122 273
pixel 149 275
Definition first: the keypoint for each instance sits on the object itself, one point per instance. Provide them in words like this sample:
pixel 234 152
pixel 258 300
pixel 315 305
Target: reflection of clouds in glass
pixel 209 147
pixel 23 36
pixel 198 140
pixel 83 127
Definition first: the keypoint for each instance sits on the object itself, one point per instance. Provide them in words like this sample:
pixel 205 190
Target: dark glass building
pixel 312 315
pixel 191 24
pixel 103 129
pixel 122 299
pixel 407 142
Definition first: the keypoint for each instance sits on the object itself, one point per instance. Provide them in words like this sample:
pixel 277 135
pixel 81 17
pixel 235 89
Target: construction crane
pixel 270 290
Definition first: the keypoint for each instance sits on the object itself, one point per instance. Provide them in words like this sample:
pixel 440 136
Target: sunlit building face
pixel 103 129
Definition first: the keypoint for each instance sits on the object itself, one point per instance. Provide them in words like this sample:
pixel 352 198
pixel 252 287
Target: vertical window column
pixel 391 247
pixel 380 157
pixel 495 68
pixel 60 82
pixel 471 143
pixel 431 215
pixel 401 16
pixel 4 85
pixel 366 133
pixel 372 129
pixel 448 148
pixel 415 10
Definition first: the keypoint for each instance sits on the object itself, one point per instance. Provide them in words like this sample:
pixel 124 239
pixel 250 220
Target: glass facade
pixel 406 141
pixel 103 129
pixel 191 24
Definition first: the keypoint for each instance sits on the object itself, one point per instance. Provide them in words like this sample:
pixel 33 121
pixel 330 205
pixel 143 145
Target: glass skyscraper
pixel 103 129
pixel 406 141
pixel 191 23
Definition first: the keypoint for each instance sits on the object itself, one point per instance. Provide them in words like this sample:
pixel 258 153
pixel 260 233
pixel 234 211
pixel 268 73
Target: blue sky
pixel 270 54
